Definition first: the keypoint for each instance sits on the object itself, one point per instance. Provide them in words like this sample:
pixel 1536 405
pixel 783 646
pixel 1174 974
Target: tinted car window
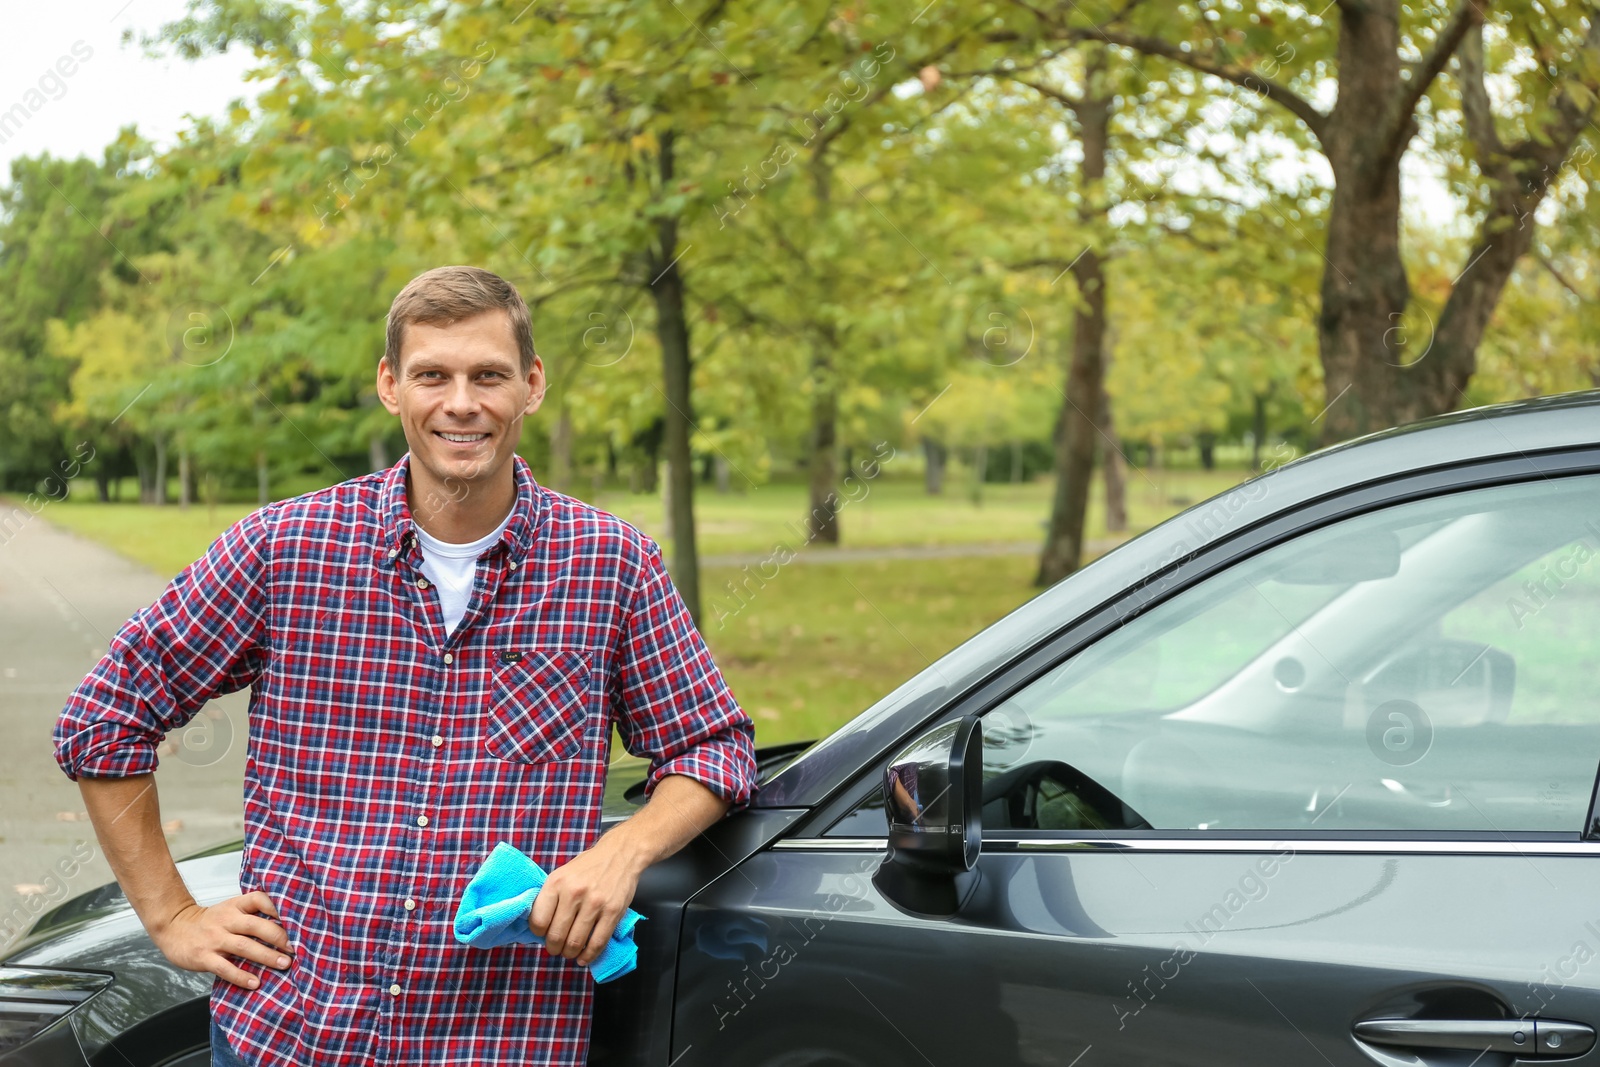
pixel 1430 666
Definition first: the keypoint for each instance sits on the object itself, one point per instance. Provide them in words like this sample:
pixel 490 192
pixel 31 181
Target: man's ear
pixel 388 388
pixel 536 387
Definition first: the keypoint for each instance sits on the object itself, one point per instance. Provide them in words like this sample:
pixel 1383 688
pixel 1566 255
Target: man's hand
pixel 126 813
pixel 208 938
pixel 583 899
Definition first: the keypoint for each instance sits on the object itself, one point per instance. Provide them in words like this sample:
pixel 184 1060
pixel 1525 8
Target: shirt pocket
pixel 539 707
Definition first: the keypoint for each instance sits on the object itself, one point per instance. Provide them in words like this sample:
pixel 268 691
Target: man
pixel 436 654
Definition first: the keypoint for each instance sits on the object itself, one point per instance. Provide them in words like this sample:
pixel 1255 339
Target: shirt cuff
pixel 724 764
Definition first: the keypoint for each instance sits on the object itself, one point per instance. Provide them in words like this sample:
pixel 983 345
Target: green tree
pixel 1398 75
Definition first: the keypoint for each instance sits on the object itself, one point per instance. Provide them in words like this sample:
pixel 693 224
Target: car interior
pixel 1422 668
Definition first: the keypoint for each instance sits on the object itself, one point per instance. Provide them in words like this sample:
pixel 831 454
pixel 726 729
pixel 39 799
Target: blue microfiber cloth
pixel 494 912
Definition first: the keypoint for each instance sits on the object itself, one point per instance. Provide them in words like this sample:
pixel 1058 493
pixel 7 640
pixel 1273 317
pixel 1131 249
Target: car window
pixel 1431 666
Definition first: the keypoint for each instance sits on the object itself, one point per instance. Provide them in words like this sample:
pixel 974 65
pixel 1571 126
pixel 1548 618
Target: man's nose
pixel 460 398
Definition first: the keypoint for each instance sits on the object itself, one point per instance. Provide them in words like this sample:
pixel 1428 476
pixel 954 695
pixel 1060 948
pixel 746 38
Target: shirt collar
pixel 528 511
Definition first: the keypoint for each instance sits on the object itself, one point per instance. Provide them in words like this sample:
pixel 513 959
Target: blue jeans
pixel 222 1054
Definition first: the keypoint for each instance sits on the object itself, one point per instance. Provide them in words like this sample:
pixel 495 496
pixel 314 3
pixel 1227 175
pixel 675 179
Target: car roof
pixel 1520 428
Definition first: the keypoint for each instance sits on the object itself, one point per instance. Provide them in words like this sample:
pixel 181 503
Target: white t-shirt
pixel 452 568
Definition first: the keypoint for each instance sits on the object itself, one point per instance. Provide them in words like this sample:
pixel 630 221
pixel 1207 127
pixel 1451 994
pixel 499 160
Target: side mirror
pixel 933 799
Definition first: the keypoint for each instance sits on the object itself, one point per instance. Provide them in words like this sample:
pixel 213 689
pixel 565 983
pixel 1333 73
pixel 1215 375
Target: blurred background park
pixel 880 316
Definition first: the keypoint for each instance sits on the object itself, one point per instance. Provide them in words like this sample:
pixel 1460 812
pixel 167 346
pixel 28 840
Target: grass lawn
pixel 816 644
pixel 889 511
pixel 896 511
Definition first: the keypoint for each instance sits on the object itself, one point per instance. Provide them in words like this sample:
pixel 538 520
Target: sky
pixel 110 84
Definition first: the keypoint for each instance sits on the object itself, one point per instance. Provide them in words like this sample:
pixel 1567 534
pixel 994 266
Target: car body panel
pixel 1161 958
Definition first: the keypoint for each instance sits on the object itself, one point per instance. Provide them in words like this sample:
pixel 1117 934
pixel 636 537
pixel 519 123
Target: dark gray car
pixel 1304 775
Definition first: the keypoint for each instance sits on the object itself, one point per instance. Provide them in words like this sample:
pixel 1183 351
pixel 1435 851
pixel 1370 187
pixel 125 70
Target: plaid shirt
pixel 386 760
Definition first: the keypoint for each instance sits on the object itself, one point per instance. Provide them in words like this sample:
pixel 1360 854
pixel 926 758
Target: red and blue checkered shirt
pixel 386 759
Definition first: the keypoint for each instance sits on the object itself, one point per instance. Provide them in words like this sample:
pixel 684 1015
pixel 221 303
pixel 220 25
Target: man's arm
pixel 673 706
pixel 584 898
pixel 206 635
pixel 126 813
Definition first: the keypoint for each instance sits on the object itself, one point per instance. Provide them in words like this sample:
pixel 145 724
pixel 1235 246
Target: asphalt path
pixel 62 598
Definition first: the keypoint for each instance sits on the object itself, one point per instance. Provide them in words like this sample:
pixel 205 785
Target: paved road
pixel 61 600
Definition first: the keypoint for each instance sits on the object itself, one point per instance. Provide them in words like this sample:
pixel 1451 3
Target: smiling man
pixel 437 654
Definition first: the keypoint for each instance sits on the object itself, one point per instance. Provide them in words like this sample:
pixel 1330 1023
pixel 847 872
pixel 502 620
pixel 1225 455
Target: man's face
pixel 461 396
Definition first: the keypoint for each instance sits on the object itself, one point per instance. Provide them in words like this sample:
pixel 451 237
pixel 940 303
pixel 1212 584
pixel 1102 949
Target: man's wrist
pixel 629 847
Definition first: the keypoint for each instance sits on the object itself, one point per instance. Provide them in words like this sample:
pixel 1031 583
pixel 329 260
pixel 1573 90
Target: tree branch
pixel 1425 72
pixel 1544 261
pixel 1066 99
pixel 1297 105
pixel 826 136
pixel 1475 105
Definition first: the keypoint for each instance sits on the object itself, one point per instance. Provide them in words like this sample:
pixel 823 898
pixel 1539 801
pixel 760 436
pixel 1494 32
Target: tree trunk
pixel 377 452
pixel 1207 443
pixel 263 480
pixel 561 452
pixel 1258 429
pixel 102 484
pixel 185 479
pixel 822 474
pixel 1111 468
pixel 934 454
pixel 1076 428
pixel 822 460
pixel 672 331
pixel 722 472
pixel 158 496
pixel 666 504
pixel 980 467
pixel 648 467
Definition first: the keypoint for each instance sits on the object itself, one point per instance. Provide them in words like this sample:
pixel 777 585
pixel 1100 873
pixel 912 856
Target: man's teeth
pixel 464 438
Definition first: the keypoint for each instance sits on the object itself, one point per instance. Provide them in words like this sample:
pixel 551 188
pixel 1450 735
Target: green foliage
pixel 876 205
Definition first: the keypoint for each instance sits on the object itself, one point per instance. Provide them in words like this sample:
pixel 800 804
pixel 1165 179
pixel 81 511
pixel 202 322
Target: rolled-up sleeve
pixel 672 704
pixel 205 636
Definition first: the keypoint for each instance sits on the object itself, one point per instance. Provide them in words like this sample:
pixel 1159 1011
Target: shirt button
pixel 422 583
pixel 437 740
pixel 513 564
pixel 422 820
pixel 394 990
pixel 410 904
pixel 393 552
pixel 449 659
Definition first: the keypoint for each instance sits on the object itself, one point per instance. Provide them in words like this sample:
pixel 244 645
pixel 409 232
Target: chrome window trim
pixel 1332 846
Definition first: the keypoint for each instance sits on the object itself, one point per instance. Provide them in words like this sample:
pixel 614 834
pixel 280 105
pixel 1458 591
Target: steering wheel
pixel 1022 787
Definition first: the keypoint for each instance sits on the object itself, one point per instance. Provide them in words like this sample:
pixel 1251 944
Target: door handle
pixel 1544 1038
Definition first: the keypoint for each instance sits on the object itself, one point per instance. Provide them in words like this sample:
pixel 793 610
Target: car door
pixel 1319 796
